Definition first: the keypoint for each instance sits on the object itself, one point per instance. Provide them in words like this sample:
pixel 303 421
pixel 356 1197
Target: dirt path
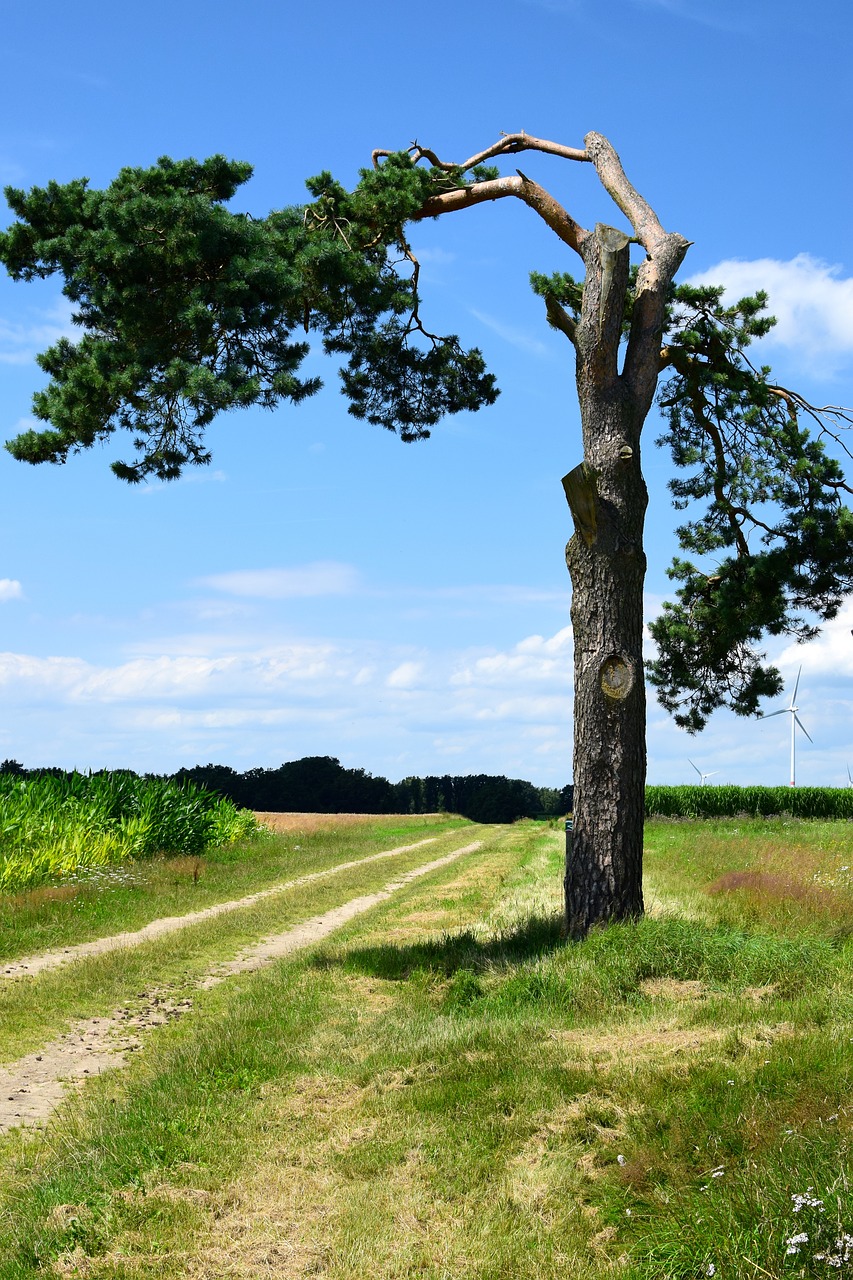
pixel 33 1086
pixel 168 924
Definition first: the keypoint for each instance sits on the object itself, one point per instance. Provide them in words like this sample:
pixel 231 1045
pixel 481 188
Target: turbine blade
pixel 771 714
pixel 796 686
pixel 690 762
pixel 803 727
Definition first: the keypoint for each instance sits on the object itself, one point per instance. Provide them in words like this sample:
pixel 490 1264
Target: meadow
pixel 445 1088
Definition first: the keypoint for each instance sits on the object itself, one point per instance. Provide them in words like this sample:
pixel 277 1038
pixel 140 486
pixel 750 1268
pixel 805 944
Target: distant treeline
pixel 320 784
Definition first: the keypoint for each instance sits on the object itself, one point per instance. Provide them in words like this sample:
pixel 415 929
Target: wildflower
pixel 843 1252
pixel 794 1242
pixel 718 1173
pixel 806 1200
pixel 710 1270
pixel 620 1159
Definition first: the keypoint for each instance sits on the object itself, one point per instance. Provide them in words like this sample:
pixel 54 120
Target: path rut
pixel 29 965
pixel 33 1086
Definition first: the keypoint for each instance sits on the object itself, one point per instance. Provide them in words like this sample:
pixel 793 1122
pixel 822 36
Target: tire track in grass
pixel 32 1087
pixel 30 965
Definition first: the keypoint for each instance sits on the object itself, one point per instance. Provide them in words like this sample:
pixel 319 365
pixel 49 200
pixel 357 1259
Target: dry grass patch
pixel 632 1047
pixel 307 823
pixel 674 989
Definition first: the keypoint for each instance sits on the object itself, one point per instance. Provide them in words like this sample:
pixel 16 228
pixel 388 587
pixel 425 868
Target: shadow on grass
pixel 536 937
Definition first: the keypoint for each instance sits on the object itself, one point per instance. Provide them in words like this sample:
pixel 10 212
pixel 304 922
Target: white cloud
pixel 405 676
pixel 323 578
pixel 434 257
pixel 811 300
pixel 10 589
pixel 287 670
pixel 20 343
pixel 518 338
pixel 532 660
pixel 828 658
pixel 372 704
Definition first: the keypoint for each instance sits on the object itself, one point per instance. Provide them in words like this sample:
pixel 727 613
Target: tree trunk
pixel 608 498
pixel 604 873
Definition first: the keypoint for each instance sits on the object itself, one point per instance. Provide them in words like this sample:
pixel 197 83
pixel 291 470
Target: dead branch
pixel 508 144
pixel 549 209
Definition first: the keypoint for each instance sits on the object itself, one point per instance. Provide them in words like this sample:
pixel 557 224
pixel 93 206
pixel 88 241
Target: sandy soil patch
pixel 32 1087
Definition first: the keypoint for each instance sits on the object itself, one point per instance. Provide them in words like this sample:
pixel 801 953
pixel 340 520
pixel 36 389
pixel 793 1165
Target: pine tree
pixel 187 309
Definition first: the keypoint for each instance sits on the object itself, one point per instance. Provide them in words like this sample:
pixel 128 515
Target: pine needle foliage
pixel 188 309
pixel 765 498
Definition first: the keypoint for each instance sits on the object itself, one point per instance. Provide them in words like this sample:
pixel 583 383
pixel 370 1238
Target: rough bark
pixel 607 567
pixel 605 556
pixel 608 497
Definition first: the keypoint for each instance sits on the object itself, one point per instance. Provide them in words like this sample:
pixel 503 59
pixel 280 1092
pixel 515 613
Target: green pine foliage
pixel 768 521
pixel 188 309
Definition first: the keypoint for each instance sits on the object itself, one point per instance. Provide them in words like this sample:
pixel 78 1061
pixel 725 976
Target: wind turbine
pixel 795 720
pixel 702 776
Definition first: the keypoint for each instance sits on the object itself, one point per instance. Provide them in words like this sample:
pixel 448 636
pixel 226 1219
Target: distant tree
pixel 187 309
pixel 13 767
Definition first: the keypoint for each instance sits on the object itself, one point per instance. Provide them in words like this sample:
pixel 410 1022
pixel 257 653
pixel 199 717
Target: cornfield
pixel 54 828
pixel 757 802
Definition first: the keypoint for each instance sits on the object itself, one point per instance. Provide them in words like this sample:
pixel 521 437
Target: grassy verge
pixel 34 1009
pixel 121 898
pixel 449 1090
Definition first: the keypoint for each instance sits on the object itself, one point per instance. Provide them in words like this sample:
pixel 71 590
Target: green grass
pixel 124 898
pixel 447 1089
pixel 32 1009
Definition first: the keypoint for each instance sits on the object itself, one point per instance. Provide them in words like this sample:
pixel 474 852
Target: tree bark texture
pixel 607 496
pixel 606 562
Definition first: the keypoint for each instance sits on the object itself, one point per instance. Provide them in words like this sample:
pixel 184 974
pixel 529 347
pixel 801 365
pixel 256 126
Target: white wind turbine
pixel 702 776
pixel 795 720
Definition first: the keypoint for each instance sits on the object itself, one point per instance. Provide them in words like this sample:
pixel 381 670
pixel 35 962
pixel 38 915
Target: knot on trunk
pixel 617 676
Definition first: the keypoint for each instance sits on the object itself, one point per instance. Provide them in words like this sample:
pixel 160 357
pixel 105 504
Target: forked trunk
pixel 607 496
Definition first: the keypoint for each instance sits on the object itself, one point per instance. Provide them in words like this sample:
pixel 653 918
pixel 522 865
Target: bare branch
pixel 559 318
pixel 508 144
pixel 549 209
pixel 511 143
pixel 639 213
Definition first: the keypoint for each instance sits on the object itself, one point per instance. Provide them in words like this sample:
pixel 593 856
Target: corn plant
pixel 758 802
pixel 54 827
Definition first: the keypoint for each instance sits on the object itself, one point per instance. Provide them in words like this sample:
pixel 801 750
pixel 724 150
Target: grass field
pixel 445 1088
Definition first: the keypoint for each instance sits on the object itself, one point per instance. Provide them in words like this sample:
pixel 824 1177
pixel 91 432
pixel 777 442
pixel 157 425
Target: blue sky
pixel 323 588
